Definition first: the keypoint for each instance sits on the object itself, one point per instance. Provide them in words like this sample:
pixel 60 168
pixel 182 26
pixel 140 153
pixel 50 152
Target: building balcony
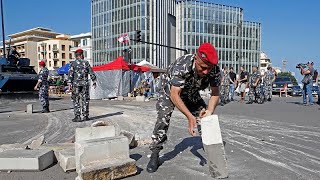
pixel 55 50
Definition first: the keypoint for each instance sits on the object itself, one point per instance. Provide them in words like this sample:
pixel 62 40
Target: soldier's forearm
pixel 214 99
pixel 177 101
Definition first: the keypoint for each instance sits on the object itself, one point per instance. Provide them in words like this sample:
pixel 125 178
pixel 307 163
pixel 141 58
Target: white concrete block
pixel 30 108
pixel 120 98
pixel 213 145
pixel 140 98
pixel 26 160
pixel 67 160
pixel 88 133
pixel 56 148
pixel 100 149
pixel 211 133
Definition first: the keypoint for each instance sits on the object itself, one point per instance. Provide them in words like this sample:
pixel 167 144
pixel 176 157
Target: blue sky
pixel 290 28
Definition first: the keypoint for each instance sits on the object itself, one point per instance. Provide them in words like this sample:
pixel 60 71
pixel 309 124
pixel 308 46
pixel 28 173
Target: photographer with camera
pixel 307 81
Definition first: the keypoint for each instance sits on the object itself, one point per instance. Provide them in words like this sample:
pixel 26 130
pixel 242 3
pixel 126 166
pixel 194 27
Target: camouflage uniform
pixel 224 88
pixel 252 80
pixel 181 74
pixel 44 88
pixel 78 77
pixel 268 83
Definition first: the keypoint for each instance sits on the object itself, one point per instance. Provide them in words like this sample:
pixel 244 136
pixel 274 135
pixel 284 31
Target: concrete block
pixel 100 149
pixel 213 146
pixel 6 147
pixel 140 98
pixel 26 160
pixel 67 160
pixel 110 169
pixel 120 98
pixel 131 138
pixel 56 148
pixel 88 133
pixel 30 108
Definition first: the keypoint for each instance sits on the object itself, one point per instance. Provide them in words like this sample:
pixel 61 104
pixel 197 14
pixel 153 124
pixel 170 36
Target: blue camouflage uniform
pixel 44 88
pixel 181 73
pixel 224 87
pixel 78 76
pixel 269 76
pixel 252 80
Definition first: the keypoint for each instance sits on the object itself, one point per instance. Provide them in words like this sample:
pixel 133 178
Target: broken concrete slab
pixel 120 98
pixel 26 160
pixel 30 108
pixel 213 146
pixel 100 149
pixel 109 169
pixel 56 148
pixel 36 143
pixel 131 138
pixel 88 133
pixel 140 98
pixel 67 160
pixel 99 123
pixel 16 146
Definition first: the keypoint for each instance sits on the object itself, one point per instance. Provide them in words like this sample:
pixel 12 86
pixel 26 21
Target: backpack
pixel 315 76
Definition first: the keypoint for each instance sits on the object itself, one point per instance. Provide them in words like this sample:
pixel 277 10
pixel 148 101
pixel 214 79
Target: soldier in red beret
pixel 180 88
pixel 78 81
pixel 43 86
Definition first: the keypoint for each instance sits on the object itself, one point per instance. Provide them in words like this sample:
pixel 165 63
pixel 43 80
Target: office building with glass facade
pixel 237 41
pixel 178 23
pixel 111 19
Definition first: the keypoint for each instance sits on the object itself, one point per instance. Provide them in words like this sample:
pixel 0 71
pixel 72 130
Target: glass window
pixel 63 47
pixel 63 55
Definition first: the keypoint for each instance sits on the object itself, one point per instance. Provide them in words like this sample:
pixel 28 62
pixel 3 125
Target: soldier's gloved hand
pixel 94 85
pixel 192 125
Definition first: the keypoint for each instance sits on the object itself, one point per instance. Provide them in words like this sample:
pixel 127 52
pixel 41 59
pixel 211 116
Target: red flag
pixel 124 38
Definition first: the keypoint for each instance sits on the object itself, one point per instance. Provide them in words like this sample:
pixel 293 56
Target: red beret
pixel 42 63
pixel 79 51
pixel 208 53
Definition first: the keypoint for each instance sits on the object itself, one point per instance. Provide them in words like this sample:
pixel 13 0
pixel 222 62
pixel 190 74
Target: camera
pixel 301 65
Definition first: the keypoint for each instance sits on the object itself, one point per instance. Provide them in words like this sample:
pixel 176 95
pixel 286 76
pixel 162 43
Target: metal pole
pixel 3 38
pixel 129 54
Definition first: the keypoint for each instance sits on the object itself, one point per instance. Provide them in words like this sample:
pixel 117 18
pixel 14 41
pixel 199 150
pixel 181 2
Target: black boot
pixel 45 109
pixel 77 119
pixel 154 163
pixel 48 108
pixel 85 118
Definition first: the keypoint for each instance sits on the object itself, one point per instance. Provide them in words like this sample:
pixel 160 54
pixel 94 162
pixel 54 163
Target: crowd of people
pixel 258 87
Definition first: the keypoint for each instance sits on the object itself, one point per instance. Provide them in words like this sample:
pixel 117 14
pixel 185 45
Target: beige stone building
pixel 56 52
pixel 26 42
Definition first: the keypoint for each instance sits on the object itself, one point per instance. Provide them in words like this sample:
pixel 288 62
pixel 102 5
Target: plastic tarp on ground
pixel 113 79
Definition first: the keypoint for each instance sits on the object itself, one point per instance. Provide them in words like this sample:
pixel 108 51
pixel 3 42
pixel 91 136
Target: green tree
pixel 293 79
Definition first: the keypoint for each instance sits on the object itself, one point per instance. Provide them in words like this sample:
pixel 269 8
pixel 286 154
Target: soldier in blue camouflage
pixel 78 81
pixel 224 87
pixel 254 81
pixel 43 86
pixel 180 87
pixel 269 78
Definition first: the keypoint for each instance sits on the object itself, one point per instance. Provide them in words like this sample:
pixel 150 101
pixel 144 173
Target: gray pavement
pixel 276 140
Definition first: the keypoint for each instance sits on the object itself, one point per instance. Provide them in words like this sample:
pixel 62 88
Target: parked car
pixel 280 82
pixel 296 91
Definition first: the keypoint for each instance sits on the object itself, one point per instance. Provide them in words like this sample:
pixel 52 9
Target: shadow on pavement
pixel 194 142
pixel 106 115
pixel 136 157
